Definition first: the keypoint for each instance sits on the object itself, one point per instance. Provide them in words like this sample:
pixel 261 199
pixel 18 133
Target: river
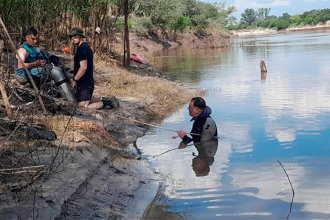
pixel 273 129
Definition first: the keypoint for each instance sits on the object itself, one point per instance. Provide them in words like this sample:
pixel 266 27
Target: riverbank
pixel 319 27
pixel 90 170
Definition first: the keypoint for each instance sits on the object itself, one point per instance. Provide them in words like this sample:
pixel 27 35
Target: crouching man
pixel 32 59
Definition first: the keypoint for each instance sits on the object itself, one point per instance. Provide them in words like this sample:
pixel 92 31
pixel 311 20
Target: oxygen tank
pixel 62 82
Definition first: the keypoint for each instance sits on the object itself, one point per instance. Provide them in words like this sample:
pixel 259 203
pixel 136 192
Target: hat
pixel 76 31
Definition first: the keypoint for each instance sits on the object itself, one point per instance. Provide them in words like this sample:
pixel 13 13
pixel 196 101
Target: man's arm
pixel 22 53
pixel 183 135
pixel 81 72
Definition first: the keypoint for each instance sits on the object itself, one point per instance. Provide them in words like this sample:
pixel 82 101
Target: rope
pixel 140 122
pixel 155 126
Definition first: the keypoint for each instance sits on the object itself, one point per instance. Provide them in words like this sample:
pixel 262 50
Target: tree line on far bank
pixel 260 18
pixel 54 19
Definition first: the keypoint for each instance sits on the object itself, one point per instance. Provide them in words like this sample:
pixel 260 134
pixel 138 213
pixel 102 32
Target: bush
pixel 282 24
pixel 182 23
pixel 141 24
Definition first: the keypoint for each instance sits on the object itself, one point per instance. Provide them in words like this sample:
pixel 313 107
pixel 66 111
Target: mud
pixel 84 180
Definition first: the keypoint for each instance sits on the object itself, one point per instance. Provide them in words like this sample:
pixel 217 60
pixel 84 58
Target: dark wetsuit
pixel 85 85
pixel 203 125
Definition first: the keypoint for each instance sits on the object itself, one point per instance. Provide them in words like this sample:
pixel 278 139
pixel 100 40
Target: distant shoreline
pixel 319 27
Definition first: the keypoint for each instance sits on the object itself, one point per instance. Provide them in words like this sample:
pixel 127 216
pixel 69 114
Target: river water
pixel 273 130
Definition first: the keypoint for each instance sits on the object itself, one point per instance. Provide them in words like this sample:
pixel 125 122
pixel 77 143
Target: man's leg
pixel 84 98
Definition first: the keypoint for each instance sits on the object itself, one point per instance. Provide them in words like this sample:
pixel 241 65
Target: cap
pixel 76 31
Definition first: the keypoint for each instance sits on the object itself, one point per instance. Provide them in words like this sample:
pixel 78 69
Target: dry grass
pixel 74 130
pixel 161 96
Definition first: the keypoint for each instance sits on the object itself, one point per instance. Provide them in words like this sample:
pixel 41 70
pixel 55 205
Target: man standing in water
pixel 204 127
pixel 83 80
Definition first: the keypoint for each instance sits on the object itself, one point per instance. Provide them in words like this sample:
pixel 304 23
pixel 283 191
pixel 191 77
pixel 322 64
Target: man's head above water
pixel 196 106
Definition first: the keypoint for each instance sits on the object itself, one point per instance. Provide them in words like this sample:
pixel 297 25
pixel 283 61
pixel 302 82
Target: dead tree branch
pixel 291 189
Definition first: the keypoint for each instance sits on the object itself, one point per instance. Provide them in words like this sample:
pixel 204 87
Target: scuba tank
pixel 62 82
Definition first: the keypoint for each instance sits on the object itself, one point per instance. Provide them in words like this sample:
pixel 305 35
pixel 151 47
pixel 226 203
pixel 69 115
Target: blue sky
pixel 278 7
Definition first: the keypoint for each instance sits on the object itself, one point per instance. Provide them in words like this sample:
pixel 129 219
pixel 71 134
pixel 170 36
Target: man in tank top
pixel 31 58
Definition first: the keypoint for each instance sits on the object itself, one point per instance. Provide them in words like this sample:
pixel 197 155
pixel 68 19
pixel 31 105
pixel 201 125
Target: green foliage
pixel 249 17
pixel 262 13
pixel 282 24
pixel 140 24
pixel 180 14
pixel 260 18
pixel 182 23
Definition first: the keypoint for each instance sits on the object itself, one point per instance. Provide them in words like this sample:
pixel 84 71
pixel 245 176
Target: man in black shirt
pixel 83 80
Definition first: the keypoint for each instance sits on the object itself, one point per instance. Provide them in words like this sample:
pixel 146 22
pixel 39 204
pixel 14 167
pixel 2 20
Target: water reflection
pixel 185 65
pixel 205 158
pixel 285 118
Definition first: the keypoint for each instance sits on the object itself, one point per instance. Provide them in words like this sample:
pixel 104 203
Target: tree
pixel 262 13
pixel 249 17
pixel 126 58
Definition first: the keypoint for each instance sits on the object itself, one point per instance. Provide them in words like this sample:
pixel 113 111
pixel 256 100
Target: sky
pixel 278 7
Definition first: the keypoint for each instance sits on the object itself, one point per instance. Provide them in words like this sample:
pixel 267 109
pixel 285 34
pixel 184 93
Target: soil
pixel 93 169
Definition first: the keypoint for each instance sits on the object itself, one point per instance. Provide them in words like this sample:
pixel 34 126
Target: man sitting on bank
pixel 32 59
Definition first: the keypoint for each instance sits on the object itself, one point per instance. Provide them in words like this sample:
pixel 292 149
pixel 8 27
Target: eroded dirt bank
pixel 89 171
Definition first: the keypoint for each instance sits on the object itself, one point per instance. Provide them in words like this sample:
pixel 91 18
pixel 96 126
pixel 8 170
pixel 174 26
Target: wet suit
pixel 203 125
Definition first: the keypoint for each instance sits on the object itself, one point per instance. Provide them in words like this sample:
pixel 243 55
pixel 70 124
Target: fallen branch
pixel 22 168
pixel 291 189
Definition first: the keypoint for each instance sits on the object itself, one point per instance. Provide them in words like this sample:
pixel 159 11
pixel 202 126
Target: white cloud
pixel 312 1
pixel 243 4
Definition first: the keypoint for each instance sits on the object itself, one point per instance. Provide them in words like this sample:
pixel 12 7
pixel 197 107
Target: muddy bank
pixel 90 170
pixel 146 45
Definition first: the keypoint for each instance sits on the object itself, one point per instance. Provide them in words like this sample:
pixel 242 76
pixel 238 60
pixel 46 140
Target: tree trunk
pixel 126 37
pixel 2 86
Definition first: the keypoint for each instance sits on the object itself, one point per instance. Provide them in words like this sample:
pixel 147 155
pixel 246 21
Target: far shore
pixel 320 27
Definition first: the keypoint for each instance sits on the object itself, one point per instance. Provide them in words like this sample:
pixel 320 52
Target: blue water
pixel 283 117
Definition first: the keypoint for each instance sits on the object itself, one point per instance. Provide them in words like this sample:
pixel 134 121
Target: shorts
pixel 39 76
pixel 84 93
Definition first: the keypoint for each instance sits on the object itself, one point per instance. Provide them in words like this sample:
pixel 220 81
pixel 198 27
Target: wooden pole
pixel 26 69
pixel 3 88
pixel 263 67
pixel 126 36
pixel 5 99
pixel 263 70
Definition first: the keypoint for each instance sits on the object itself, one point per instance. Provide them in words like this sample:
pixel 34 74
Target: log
pixel 5 99
pixel 2 86
pixel 263 70
pixel 263 67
